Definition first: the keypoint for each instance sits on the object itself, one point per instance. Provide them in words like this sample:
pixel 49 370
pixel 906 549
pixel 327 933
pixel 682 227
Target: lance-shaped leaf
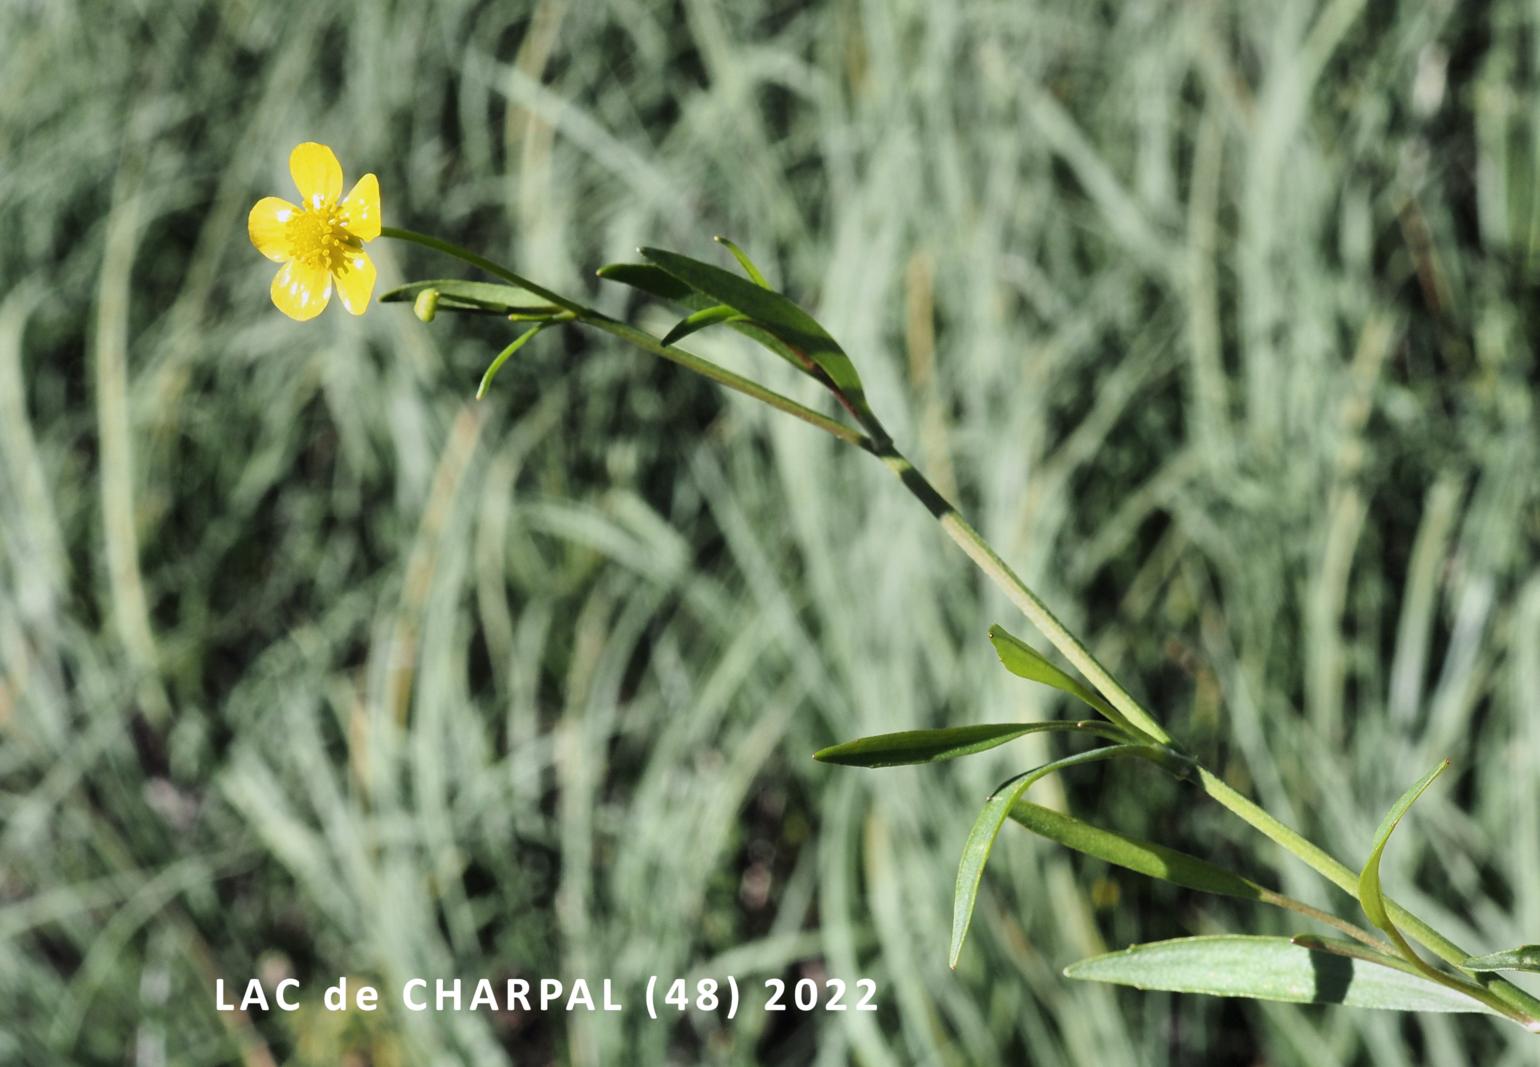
pixel 744 261
pixel 1271 968
pixel 1523 958
pixel 932 746
pixel 1166 864
pixel 774 313
pixel 504 356
pixel 1371 896
pixel 654 281
pixel 455 294
pixel 1024 661
pixel 657 282
pixel 699 320
pixel 1144 857
pixel 981 839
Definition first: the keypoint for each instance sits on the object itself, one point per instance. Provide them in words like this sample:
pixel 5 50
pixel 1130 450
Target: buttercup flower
pixel 321 239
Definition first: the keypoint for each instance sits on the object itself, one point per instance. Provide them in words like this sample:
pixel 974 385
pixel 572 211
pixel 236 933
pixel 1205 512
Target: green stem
pixel 999 572
pixel 640 338
pixel 1326 918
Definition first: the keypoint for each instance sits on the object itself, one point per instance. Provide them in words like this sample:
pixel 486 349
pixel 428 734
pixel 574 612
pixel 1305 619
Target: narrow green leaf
pixel 457 294
pixel 1024 661
pixel 654 281
pixel 775 313
pixel 504 356
pixel 743 261
pixel 932 746
pixel 981 839
pixel 1523 958
pixel 1270 968
pixel 1144 857
pixel 699 320
pixel 1371 895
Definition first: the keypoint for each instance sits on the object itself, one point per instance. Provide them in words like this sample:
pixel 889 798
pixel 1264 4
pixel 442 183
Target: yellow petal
pixel 317 174
pixel 301 292
pixel 355 280
pixel 361 209
pixel 268 226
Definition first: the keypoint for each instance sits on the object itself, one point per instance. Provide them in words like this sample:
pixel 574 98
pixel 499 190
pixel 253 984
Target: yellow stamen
pixel 317 237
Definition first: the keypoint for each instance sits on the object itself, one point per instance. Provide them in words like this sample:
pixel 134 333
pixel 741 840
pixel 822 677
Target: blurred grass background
pixel 1218 318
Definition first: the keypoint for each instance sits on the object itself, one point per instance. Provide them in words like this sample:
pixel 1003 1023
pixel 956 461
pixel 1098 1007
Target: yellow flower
pixel 321 239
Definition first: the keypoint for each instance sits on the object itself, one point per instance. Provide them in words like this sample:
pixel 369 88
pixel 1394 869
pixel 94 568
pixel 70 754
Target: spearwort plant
pixel 320 242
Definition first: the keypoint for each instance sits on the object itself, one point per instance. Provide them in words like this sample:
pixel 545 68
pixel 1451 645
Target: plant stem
pixel 999 572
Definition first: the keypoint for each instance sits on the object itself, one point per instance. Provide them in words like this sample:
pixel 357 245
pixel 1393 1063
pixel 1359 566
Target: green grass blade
pixel 775 313
pixel 1143 857
pixel 981 839
pixel 1371 895
pixel 932 746
pixel 1522 958
pixel 1024 661
pixel 1270 968
pixel 699 320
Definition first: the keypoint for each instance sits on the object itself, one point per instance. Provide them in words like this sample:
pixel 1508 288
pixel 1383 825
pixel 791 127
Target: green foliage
pixel 503 357
pixel 981 838
pixel 1270 968
pixel 810 343
pixel 1145 857
pixel 456 294
pixel 1370 893
pixel 1523 958
pixel 1024 661
pixel 931 746
pixel 699 320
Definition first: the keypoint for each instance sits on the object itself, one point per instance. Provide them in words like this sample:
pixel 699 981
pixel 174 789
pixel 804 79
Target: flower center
pixel 318 239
